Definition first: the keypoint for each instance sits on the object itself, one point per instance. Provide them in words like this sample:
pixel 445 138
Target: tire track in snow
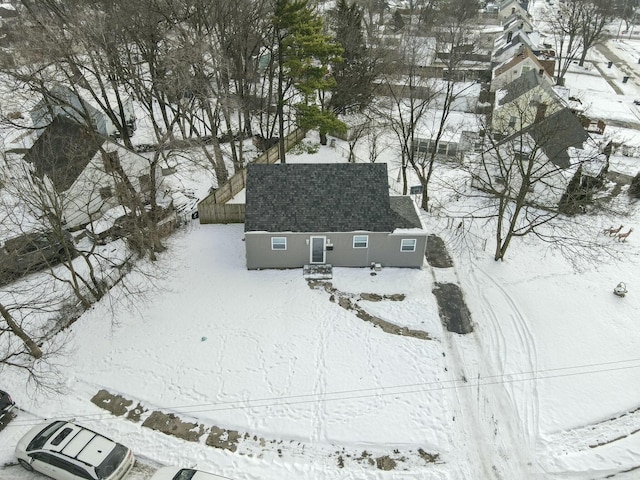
pixel 472 440
pixel 516 346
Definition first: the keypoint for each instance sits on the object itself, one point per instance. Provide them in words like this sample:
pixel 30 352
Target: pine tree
pixel 305 54
pixel 355 74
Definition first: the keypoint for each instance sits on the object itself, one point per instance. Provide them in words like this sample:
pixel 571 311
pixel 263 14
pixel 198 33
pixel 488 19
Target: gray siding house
pixel 338 214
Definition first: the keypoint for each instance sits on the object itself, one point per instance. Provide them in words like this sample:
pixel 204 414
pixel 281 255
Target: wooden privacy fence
pixel 222 213
pixel 214 207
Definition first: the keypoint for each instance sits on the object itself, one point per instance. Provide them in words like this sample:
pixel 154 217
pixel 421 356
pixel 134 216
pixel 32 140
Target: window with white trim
pixel 408 245
pixel 278 243
pixel 360 241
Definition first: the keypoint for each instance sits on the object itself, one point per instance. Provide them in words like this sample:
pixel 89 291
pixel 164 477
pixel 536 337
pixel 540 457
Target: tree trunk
pixel 33 348
pixel 583 57
pixel 281 148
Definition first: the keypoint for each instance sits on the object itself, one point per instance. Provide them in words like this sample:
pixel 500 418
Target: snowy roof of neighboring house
pixel 518 21
pixel 62 151
pixel 108 219
pixel 457 122
pixel 526 53
pixel 327 197
pixel 80 104
pixel 8 11
pixel 421 50
pixel 504 47
pixel 523 4
pixel 523 84
pixel 564 93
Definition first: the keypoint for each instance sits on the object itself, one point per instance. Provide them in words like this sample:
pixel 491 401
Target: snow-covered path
pixel 497 414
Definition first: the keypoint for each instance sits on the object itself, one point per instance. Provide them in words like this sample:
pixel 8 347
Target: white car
pixel 65 451
pixel 177 473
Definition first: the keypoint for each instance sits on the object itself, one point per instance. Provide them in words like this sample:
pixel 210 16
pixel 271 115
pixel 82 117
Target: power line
pixel 382 391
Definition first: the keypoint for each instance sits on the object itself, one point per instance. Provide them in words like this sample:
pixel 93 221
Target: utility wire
pixel 382 391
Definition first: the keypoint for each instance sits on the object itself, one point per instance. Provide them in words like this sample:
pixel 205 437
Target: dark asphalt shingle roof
pixel 405 213
pixel 332 197
pixel 556 133
pixel 62 152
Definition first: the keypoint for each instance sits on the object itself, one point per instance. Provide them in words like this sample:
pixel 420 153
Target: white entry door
pixel 318 254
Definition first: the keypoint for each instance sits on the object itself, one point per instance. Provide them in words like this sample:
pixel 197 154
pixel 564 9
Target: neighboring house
pixel 558 144
pixel 525 100
pixel 87 170
pixel 62 101
pixel 338 214
pixel 521 63
pixel 506 47
pixel 455 139
pixel 512 7
pixel 515 23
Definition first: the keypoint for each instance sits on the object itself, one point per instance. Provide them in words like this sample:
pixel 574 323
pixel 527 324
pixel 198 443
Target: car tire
pixel 26 465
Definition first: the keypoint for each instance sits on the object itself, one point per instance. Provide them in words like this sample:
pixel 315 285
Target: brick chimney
pixel 541 111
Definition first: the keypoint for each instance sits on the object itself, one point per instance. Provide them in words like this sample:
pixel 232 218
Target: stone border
pixel 217 437
pixel 349 301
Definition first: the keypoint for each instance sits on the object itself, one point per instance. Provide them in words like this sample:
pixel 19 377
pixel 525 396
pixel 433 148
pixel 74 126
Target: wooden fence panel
pixel 222 213
pixel 208 210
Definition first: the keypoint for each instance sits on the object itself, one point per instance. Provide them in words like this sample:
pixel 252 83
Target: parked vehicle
pixel 66 451
pixel 177 473
pixel 6 405
pixel 637 101
pixel 32 252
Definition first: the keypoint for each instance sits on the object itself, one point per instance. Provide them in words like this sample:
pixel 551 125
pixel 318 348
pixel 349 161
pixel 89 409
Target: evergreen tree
pixel 398 21
pixel 305 54
pixel 355 74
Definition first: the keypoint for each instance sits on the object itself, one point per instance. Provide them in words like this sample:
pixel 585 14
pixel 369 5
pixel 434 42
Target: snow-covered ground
pixel 547 385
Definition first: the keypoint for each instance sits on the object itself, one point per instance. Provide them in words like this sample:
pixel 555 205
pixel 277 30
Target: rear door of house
pixel 317 249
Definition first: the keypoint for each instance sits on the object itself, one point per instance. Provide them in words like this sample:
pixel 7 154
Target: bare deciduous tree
pixel 522 179
pixel 566 27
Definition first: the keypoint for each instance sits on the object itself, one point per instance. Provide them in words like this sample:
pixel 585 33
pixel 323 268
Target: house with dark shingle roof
pixel 523 101
pixel 87 169
pixel 546 155
pixel 556 134
pixel 61 101
pixel 338 214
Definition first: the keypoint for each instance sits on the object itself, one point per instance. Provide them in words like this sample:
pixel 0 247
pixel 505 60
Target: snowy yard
pixel 546 386
pixel 262 353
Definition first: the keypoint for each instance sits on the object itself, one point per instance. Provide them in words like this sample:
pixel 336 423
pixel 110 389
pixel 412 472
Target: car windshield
pixel 112 462
pixel 184 474
pixel 40 439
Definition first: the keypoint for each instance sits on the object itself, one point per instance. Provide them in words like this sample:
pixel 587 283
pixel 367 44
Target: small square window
pixel 278 243
pixel 408 245
pixel 360 241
